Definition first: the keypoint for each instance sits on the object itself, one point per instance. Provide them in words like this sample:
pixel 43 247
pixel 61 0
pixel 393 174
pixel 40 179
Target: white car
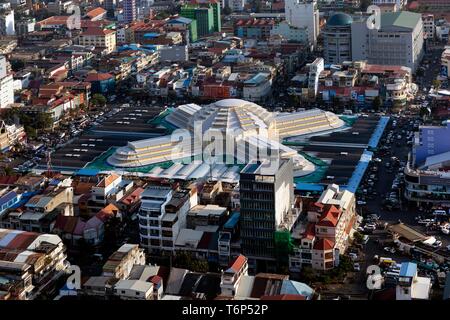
pixel 370 226
pixel 437 244
pixel 389 249
pixel 361 203
pixel 353 256
pixel 356 267
pixel 377 160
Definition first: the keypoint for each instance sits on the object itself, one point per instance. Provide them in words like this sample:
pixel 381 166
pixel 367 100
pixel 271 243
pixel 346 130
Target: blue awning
pixel 308 187
pixel 87 172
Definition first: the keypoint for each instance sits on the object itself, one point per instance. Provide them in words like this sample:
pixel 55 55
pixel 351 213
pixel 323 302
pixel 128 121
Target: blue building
pixel 102 83
pixel 8 199
pixel 432 140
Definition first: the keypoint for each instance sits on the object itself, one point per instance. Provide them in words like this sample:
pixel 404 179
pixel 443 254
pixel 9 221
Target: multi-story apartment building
pixel 121 262
pixel 100 38
pixel 24 26
pixel 29 262
pixel 110 189
pixel 231 277
pixel 40 211
pixel 7 26
pixel 6 84
pixel 153 208
pixel 258 87
pixel 327 231
pixel 129 11
pixel 398 40
pixel 266 197
pixel 174 219
pixel 429 29
pixel 254 28
pixel 303 14
pixel 206 13
pixel 427 177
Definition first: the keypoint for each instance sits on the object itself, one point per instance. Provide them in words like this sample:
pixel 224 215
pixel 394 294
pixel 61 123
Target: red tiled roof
pixel 8 180
pixel 155 279
pixel 323 244
pixel 107 212
pixel 96 32
pixel 106 181
pixel 94 24
pixel 22 240
pixel 238 263
pixel 95 12
pixel 330 217
pixel 255 22
pixel 98 77
pixel 132 197
pixel 54 20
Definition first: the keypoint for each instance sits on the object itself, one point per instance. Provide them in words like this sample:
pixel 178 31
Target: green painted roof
pixel 340 19
pixel 404 19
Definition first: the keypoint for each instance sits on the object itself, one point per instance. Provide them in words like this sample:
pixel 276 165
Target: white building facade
pixel 398 41
pixel 303 14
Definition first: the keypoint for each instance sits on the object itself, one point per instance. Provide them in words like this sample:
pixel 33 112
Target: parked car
pixel 356 266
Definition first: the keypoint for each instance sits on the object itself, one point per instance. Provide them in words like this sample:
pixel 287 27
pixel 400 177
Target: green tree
pixel 420 72
pixel 226 11
pixel 397 106
pixel 358 237
pixel 83 107
pixel 377 103
pixel 186 261
pixel 8 171
pixel 337 103
pixel 98 100
pixel 307 274
pixel 436 84
pixel 31 132
pixel 424 113
pixel 44 120
pixel 17 65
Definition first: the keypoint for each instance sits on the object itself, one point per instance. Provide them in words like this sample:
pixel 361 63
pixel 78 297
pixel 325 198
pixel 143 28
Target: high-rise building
pixel 7 27
pixel 151 213
pixel 207 15
pixel 315 68
pixel 6 85
pixel 266 197
pixel 337 37
pixel 398 40
pixel 129 10
pixel 303 14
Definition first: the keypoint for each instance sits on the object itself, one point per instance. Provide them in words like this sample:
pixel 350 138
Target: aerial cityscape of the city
pixel 238 150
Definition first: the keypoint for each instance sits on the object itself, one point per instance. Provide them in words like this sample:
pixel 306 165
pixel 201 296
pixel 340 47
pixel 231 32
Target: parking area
pixel 381 203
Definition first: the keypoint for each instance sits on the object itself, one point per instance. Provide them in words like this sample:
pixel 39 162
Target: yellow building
pixel 100 38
